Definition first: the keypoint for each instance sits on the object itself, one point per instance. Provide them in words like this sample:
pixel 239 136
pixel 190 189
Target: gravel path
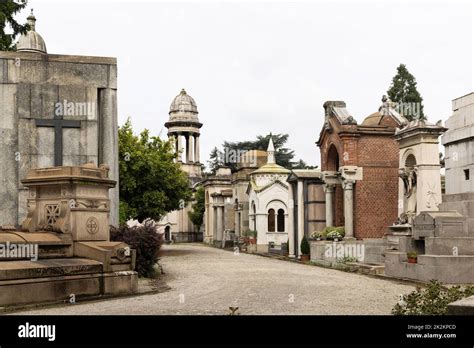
pixel 205 280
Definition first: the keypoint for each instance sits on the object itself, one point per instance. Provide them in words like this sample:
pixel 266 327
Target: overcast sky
pixel 259 67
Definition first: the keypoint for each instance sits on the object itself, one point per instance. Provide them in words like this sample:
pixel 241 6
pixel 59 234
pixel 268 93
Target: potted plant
pixel 412 257
pixel 305 249
pixel 334 235
pixel 318 235
pixel 252 237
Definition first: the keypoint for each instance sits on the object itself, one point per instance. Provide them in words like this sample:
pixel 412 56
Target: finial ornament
pixel 32 21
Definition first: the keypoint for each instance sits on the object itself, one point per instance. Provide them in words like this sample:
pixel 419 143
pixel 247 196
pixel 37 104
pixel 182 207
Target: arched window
pixel 281 220
pixel 271 220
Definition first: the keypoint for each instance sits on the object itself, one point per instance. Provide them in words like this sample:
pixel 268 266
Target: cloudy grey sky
pixel 259 67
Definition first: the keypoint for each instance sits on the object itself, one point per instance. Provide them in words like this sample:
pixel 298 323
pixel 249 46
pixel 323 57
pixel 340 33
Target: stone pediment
pixel 266 187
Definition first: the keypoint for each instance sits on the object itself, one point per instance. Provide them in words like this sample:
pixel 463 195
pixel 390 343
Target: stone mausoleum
pixel 55 110
pixel 437 236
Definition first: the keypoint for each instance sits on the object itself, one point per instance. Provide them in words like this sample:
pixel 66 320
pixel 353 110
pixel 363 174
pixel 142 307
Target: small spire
pixel 32 21
pixel 270 151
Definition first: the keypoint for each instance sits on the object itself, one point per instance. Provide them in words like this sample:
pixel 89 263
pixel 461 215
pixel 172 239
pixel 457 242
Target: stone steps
pixel 368 268
pixel 21 269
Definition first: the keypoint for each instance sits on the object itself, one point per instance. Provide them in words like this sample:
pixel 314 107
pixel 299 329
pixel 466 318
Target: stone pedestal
pixel 68 222
pixel 394 234
pixel 69 200
pixel 444 246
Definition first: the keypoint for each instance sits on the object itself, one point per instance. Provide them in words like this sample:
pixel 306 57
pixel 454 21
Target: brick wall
pixel 376 196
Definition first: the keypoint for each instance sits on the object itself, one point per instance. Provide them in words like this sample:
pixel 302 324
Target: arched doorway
pixel 167 233
pixel 332 160
pixel 332 164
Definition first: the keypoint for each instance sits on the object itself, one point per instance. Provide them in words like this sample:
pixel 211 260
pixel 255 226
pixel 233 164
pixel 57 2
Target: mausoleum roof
pixel 183 102
pixel 387 110
pixel 270 168
pixel 31 41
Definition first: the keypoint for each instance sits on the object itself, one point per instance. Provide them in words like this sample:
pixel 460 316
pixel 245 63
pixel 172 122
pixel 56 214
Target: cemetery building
pixel 268 202
pixel 359 164
pixel 59 192
pixel 436 234
pixel 55 110
pixel 459 157
pixel 184 131
pixel 227 201
pixel 307 206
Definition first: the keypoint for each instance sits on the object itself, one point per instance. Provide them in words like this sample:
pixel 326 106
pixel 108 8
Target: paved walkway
pixel 205 280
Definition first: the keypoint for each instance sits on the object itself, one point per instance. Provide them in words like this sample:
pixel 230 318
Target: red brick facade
pixel 373 148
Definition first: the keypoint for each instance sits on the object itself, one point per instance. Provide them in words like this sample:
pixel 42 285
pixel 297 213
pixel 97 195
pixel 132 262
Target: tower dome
pixel 183 103
pixel 31 41
pixel 183 128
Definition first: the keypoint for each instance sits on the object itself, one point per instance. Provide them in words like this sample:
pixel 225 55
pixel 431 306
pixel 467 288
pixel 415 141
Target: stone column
pixel 180 147
pixel 214 223
pixel 291 222
pixel 329 190
pixel 191 148
pixel 196 149
pixel 300 199
pixel 108 145
pixel 187 152
pixel 347 185
pixel 220 225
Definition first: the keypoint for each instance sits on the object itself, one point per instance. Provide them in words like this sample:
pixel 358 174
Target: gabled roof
pixel 258 189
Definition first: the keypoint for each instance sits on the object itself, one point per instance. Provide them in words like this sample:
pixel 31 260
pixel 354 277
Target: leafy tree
pixel 232 150
pixel 151 183
pixel 403 90
pixel 197 214
pixel 8 9
pixel 302 165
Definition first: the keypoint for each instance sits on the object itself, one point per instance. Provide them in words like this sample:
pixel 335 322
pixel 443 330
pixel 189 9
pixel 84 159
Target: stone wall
pixel 31 85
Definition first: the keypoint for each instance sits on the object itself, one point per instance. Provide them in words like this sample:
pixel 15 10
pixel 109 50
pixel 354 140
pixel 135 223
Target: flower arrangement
pixel 334 235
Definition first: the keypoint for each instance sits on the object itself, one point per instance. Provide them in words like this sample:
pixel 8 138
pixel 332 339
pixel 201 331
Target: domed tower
pixel 183 128
pixel 31 41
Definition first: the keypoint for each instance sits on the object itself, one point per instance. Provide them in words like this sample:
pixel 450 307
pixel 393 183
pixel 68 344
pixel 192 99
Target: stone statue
pixel 409 177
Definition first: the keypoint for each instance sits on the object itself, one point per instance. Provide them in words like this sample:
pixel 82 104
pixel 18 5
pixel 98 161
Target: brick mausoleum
pixel 360 167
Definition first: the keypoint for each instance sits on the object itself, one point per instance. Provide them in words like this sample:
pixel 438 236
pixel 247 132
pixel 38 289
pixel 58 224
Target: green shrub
pixel 412 255
pixel 346 259
pixel 305 248
pixel 318 234
pixel 432 300
pixel 341 230
pixel 250 233
pixel 328 229
pixel 145 240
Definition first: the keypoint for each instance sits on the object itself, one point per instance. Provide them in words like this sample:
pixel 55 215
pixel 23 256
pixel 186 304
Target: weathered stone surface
pixel 30 86
pixel 10 270
pixel 462 307
pixel 459 146
pixel 78 259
